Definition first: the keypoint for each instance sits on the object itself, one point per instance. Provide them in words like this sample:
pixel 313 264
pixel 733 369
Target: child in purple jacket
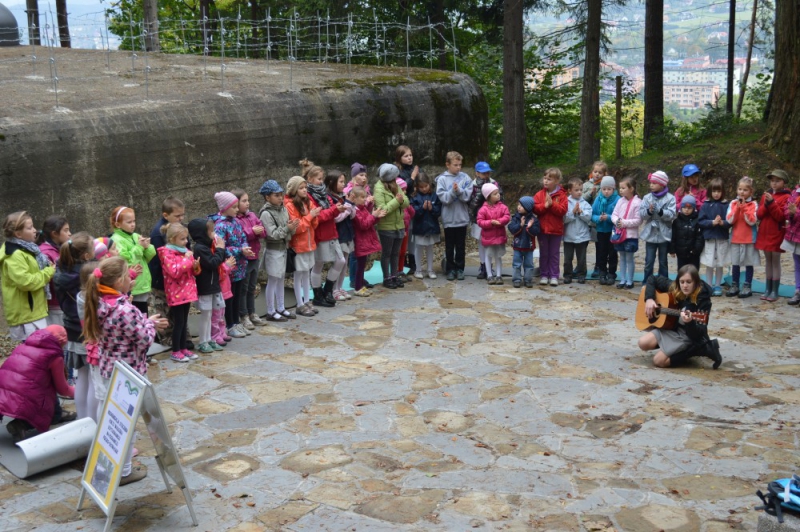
pixel 255 231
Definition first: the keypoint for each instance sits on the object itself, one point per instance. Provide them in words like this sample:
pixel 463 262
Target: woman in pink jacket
pixel 493 218
pixel 180 268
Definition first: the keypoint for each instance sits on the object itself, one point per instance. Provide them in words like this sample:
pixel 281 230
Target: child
pixel 690 186
pixel 408 215
pixel 180 269
pixel 366 239
pixel 334 182
pixel 230 230
pixel 576 231
pixel 219 330
pixel 524 226
pixel 550 205
pixel 25 273
pixel 483 175
pixel 172 211
pixel 716 234
pixel 427 209
pixel 358 178
pixel 391 228
pixel 657 211
pixel 591 189
pixel 772 229
pixel 279 233
pixel 409 173
pixel 55 231
pixel 119 331
pixel 254 231
pixel 626 220
pixel 493 219
pixel 136 250
pixel 30 378
pixel 791 241
pixel 687 235
pixel 298 206
pixel 743 217
pixel 602 210
pixel 325 235
pixel 209 252
pixel 75 252
pixel 454 189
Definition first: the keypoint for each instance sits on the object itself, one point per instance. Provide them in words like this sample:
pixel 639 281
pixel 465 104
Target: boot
pixel 482 273
pixel 733 291
pixel 319 298
pixel 795 299
pixel 746 291
pixel 411 262
pixel 773 296
pixel 767 290
pixel 713 352
pixel 327 292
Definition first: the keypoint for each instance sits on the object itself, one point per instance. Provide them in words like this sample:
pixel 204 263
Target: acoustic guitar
pixel 666 315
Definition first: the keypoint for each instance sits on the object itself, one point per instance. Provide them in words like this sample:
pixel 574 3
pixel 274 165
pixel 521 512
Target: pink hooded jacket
pixel 179 283
pixel 493 235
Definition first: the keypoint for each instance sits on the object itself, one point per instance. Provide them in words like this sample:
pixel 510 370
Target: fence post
pixel 619 117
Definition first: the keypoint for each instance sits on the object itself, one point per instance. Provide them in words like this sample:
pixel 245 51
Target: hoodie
pixel 455 205
pixel 687 237
pixel 126 334
pixel 23 285
pixel 524 236
pixel 576 227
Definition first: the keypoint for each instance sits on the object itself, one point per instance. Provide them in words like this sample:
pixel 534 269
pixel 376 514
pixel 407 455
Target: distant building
pixel 691 95
pixel 717 75
pixel 567 75
pixel 697 62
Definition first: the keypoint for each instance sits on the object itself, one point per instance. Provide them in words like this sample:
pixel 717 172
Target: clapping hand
pixel 293 224
pixel 792 208
pixel 248 252
pixel 315 212
pixel 159 322
pixel 137 268
pixel 548 202
pixel 378 213
pixel 144 242
pixel 220 242
pixel 259 230
pixel 231 262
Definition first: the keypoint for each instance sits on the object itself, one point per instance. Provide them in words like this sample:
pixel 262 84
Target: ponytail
pixel 73 250
pixel 108 272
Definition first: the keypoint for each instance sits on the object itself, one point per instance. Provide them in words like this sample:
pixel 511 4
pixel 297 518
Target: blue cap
pixel 270 187
pixel 527 203
pixel 483 167
pixel 690 169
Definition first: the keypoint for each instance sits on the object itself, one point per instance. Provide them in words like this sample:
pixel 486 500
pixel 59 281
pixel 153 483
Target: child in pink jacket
pixel 255 231
pixel 493 218
pixel 180 268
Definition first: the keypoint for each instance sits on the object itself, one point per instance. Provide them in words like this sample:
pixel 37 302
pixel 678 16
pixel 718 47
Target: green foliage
pixel 632 126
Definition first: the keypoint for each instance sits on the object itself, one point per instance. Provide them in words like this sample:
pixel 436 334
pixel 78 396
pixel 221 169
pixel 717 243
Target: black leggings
pixel 232 304
pixel 142 306
pixel 390 251
pixel 180 316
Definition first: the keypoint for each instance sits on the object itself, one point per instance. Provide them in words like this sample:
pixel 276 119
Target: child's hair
pixel 675 289
pixel 424 179
pixel 52 224
pixel 332 180
pixel 86 270
pixel 575 182
pixel 294 184
pixel 630 182
pixel 685 183
pixel 170 204
pixel 602 165
pixel 399 152
pixel 554 172
pixel 357 192
pixel 453 156
pixel 110 271
pixel 716 184
pixel 238 192
pixel 173 230
pixel 15 222
pixel 746 181
pixel 116 215
pixel 310 169
pixel 73 250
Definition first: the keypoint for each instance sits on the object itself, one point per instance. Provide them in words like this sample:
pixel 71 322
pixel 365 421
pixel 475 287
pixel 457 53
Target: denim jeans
pixel 523 259
pixel 627 265
pixel 650 259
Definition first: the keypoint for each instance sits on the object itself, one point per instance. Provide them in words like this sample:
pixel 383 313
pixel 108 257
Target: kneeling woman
pixel 689 338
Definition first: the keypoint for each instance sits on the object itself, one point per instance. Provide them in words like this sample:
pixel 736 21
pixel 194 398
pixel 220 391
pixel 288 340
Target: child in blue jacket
pixel 524 226
pixel 425 228
pixel 602 209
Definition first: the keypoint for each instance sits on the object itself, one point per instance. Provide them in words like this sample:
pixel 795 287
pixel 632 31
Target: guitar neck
pixel 669 311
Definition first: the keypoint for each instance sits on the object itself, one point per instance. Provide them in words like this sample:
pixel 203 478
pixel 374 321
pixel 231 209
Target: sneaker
pixel 347 294
pixel 553 281
pixel 595 275
pixel 256 320
pixel 460 275
pixel 363 292
pixel 339 295
pixel 498 280
pixel 544 281
pixel 795 299
pixel 567 279
pixel 419 275
pixel 215 346
pixel 716 291
pixel 234 332
pixel 489 280
pixel 390 283
pixel 245 322
pixel 178 356
pixel 451 275
pixel 398 280
pixel 528 284
pixel 517 283
pixel 205 348
pixel 18 431
pixel 431 275
pixel 244 329
pixel 138 472
pixel 190 355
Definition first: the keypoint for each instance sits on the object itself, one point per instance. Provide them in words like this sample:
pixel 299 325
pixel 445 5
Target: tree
pixel 63 24
pixel 653 71
pixel 515 152
pixel 590 100
pixel 731 50
pixel 746 74
pixel 783 124
pixel 32 10
pixel 151 38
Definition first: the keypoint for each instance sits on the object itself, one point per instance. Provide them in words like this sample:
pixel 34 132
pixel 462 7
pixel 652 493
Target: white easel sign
pixel 130 395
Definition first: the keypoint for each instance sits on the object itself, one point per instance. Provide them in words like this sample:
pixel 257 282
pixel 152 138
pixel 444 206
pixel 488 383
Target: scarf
pixel 320 194
pixel 660 194
pixel 107 290
pixel 41 259
pixel 179 249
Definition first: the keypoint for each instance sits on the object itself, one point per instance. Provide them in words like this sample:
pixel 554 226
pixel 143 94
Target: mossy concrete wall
pixel 83 163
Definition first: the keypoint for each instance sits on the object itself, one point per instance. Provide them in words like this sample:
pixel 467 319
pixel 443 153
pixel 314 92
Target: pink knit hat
pixel 659 177
pixel 401 183
pixel 225 200
pixel 487 189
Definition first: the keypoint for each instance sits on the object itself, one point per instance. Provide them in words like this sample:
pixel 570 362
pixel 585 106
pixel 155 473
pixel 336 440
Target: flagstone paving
pixel 459 406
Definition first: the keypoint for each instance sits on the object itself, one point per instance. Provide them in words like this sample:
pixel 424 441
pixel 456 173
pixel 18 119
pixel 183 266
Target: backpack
pixel 782 494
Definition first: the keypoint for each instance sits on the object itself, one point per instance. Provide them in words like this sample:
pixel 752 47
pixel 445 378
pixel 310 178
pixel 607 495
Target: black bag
pixel 290 255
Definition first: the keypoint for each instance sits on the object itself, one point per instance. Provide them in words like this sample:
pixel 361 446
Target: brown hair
pixel 112 270
pixel 310 169
pixel 15 222
pixel 554 172
pixel 746 181
pixel 116 214
pixel 239 192
pixel 398 154
pixel 630 181
pixel 332 180
pixel 716 184
pixel 52 224
pixel 453 156
pixel 675 289
pixel 302 205
pixel 574 182
pixel 171 203
pixel 601 164
pixel 685 187
pixel 170 231
pixel 73 250
pixel 357 192
pixel 424 179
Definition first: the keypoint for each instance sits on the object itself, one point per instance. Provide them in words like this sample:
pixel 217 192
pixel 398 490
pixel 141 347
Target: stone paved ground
pixel 459 406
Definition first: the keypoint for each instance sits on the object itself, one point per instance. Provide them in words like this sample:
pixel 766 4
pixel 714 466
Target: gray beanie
pixel 608 181
pixel 388 172
pixel 689 200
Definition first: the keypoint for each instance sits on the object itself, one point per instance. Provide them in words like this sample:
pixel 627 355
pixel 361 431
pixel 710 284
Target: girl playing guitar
pixel 689 337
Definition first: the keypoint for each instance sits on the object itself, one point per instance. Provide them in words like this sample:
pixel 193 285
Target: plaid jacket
pixel 127 335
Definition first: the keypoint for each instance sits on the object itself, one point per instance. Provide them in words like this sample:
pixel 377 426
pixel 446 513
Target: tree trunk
pixel 731 55
pixel 32 9
pixel 783 125
pixel 438 18
pixel 653 71
pixel 515 139
pixel 151 40
pixel 255 16
pixel 746 73
pixel 205 20
pixel 589 150
pixel 63 24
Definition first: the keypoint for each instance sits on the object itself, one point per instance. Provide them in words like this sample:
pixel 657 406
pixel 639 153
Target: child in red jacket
pixel 550 205
pixel 366 237
pixel 180 268
pixel 743 217
pixel 493 217
pixel 772 229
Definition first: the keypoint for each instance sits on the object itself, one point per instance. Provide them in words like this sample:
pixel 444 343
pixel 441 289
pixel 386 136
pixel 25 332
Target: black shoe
pixel 713 352
pixel 327 292
pixel 460 275
pixel 189 345
pixel 581 280
pixel 620 285
pixel 567 279
pixel 390 283
pixel 369 285
pixel 602 278
pixel 517 283
pixel 482 273
pixel 398 280
pixel 319 299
